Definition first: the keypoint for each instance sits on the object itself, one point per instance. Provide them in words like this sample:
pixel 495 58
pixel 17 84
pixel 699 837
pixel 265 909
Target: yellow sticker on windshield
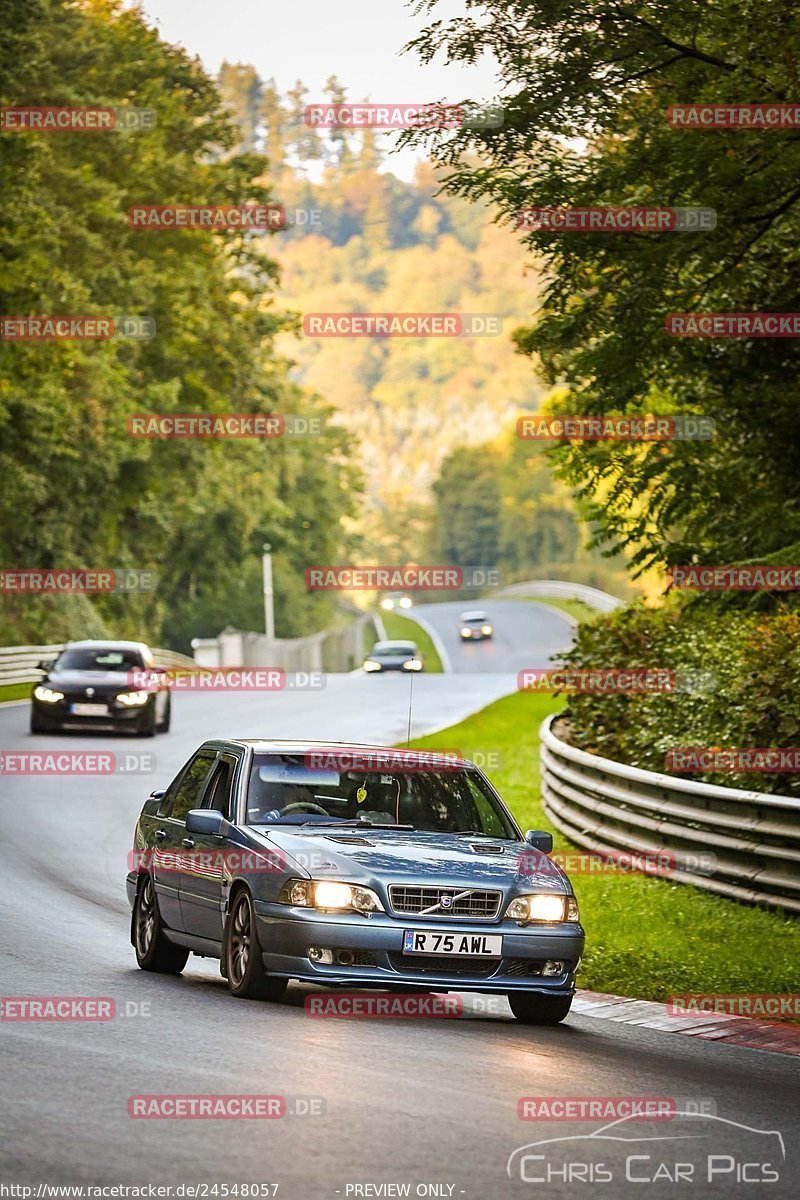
pixel 361 794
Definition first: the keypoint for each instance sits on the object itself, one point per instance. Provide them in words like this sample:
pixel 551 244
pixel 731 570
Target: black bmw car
pixel 93 685
pixel 351 866
pixel 393 656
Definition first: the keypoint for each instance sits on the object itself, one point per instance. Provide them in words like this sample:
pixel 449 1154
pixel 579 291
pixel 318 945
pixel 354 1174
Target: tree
pixel 241 90
pixel 606 72
pixel 78 490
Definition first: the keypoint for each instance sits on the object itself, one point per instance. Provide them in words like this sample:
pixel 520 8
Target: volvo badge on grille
pixel 446 901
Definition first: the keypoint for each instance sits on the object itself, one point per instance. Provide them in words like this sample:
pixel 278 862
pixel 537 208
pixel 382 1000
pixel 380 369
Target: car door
pixel 202 880
pixel 184 792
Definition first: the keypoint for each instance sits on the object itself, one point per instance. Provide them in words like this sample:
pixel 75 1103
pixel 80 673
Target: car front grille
pixel 443 965
pixel 477 903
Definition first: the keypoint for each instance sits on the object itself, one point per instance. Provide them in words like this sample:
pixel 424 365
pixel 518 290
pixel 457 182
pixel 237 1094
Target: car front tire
pixel 147 724
pixel 153 951
pixel 533 1009
pixel 163 726
pixel 244 966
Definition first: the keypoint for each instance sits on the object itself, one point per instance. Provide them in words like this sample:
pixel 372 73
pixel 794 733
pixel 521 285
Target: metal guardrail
pixel 740 844
pixel 562 590
pixel 19 664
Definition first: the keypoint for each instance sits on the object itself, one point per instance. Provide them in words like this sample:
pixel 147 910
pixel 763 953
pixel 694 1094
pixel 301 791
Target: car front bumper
pixel 57 715
pixel 376 943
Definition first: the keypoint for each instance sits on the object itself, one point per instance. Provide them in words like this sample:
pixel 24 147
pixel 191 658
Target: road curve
pixel 428 1104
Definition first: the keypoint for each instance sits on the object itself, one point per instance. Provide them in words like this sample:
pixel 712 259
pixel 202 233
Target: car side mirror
pixel 541 840
pixel 157 794
pixel 45 665
pixel 205 820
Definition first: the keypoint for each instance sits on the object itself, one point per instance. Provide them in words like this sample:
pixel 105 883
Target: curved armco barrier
pixel 560 589
pixel 19 664
pixel 744 845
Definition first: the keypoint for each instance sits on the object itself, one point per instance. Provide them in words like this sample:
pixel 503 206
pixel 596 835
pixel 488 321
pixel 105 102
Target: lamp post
pixel 269 606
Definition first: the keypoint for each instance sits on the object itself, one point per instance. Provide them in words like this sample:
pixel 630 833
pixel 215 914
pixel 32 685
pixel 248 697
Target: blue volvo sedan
pixel 355 866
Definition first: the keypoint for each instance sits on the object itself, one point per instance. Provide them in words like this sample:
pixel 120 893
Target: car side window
pixel 218 792
pixel 186 794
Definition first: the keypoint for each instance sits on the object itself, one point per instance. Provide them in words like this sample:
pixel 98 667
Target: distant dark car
pixel 393 656
pixel 475 626
pixel 351 866
pixel 91 685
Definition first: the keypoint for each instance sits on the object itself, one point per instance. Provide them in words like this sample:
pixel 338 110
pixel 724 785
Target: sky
pixel 357 40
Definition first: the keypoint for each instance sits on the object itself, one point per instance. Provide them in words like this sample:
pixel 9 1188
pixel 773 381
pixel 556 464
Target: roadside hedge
pixel 743 689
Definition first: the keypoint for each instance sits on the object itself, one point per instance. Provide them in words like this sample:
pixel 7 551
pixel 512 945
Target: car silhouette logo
pixel 446 901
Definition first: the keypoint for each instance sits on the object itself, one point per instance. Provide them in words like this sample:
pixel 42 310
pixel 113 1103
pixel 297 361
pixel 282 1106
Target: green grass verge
pixel 645 937
pixel 15 691
pixel 575 608
pixel 399 628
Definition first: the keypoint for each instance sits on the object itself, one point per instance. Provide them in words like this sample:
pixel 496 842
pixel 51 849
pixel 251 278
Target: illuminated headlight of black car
pixel 48 695
pixel 547 908
pixel 133 699
pixel 330 896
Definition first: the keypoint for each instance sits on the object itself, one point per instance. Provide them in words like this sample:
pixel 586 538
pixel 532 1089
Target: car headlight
pixel 47 694
pixel 330 895
pixel 547 908
pixel 133 699
pixel 412 664
pixel 387 604
pixel 371 665
pixel 466 631
pixel 486 629
pixel 405 602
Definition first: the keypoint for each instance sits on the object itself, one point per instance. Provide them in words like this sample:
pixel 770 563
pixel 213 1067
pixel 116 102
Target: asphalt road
pixel 418 1104
pixel 526 634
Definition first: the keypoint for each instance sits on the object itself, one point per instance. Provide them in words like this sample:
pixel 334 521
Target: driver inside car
pixel 273 798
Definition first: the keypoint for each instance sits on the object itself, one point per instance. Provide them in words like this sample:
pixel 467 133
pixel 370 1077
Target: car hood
pixel 117 681
pixel 427 858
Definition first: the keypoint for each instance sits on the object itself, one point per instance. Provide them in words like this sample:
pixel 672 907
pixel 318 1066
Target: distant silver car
pixel 475 626
pixel 394 656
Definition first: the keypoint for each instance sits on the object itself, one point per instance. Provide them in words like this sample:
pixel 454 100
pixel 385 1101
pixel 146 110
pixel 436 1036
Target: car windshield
pixel 394 648
pixel 285 789
pixel 98 658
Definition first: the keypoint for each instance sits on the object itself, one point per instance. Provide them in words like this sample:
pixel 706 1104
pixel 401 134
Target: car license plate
pixel 433 941
pixel 89 710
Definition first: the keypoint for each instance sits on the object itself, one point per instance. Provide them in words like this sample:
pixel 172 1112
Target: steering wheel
pixel 304 806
